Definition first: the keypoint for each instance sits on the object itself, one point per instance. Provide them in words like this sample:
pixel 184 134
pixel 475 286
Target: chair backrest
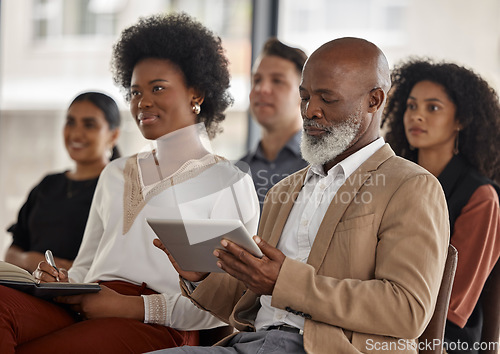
pixel 490 300
pixel 209 337
pixel 434 332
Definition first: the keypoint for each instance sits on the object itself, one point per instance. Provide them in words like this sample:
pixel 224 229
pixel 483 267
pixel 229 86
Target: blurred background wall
pixel 50 50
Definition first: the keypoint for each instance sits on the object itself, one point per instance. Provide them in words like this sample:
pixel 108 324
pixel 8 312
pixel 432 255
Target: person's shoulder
pixel 293 179
pixel 397 171
pixel 384 159
pixel 229 170
pixel 247 158
pixel 118 163
pixel 400 167
pixel 474 177
pixel 115 167
pixel 487 192
pixel 49 183
pixel 53 178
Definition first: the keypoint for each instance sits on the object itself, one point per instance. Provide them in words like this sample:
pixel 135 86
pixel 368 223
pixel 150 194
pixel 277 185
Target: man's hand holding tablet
pixel 191 243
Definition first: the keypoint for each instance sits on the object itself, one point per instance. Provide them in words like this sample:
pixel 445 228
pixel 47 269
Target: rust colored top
pixel 476 236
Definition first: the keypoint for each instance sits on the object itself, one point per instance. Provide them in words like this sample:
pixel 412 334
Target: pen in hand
pixel 50 259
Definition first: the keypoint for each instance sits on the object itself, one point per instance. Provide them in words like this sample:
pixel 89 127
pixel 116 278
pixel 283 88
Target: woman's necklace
pixel 157 163
pixel 70 190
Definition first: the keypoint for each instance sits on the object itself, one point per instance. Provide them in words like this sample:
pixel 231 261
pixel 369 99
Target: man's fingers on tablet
pixel 235 250
pixel 235 265
pixel 269 251
pixel 231 269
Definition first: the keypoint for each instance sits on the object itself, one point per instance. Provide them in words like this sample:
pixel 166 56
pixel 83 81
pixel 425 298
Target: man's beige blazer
pixel 372 277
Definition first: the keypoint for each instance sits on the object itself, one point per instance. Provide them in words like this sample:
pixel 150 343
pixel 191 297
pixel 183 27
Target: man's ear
pixel 376 99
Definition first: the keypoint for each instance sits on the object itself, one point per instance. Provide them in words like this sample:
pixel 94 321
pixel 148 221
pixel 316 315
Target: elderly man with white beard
pixel 354 245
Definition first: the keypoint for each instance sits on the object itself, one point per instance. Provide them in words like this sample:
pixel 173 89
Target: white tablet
pixel 192 242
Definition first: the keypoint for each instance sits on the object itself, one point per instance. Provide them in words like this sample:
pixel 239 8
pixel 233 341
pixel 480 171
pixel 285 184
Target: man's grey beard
pixel 320 150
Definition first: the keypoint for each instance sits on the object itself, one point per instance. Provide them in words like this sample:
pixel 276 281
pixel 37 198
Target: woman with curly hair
pixel 175 76
pixel 446 118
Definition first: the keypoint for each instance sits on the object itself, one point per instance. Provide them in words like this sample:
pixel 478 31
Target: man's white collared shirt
pixel 304 220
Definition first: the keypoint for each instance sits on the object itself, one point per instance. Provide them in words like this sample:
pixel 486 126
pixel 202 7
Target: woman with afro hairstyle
pixel 446 118
pixel 175 77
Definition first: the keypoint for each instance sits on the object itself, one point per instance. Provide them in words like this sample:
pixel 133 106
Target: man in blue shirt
pixel 275 105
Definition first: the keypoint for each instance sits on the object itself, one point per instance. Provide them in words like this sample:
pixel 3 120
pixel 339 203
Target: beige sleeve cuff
pixel 155 309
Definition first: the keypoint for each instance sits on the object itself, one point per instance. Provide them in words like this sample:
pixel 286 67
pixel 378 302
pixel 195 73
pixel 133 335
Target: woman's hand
pixel 45 273
pixel 191 276
pixel 63 263
pixel 105 303
pixel 26 259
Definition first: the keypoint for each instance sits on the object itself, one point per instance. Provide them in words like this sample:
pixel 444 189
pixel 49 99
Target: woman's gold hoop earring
pixel 196 108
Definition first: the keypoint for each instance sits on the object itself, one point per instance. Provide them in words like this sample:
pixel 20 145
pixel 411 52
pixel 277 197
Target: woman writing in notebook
pixel 175 77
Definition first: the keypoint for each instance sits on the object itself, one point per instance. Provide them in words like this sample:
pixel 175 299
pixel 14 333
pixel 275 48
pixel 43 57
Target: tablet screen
pixel 192 242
